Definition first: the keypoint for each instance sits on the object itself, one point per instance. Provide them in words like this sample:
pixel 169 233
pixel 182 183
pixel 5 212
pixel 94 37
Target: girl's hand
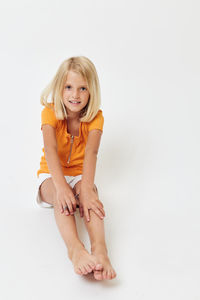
pixel 78 190
pixel 65 197
pixel 89 200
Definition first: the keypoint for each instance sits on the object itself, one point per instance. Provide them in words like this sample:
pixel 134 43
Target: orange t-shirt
pixel 74 165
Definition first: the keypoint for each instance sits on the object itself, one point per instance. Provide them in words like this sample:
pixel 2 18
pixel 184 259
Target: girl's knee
pixel 76 189
pixel 47 191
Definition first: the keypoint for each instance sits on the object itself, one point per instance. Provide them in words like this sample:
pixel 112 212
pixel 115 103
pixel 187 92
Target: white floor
pixel 155 251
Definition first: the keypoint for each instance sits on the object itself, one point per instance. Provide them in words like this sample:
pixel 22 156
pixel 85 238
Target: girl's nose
pixel 75 94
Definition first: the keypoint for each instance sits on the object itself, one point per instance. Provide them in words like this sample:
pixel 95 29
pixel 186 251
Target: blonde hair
pixel 83 66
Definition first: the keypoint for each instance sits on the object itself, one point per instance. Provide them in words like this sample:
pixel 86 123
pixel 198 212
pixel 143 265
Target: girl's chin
pixel 73 111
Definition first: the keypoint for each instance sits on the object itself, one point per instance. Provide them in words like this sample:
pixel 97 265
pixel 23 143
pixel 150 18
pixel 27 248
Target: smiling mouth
pixel 75 102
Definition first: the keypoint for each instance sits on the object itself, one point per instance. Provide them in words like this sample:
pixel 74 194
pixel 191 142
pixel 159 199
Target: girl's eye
pixel 69 86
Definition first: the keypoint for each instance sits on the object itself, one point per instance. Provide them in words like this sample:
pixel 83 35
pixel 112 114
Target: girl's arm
pixel 64 193
pixel 51 155
pixel 90 158
pixel 88 197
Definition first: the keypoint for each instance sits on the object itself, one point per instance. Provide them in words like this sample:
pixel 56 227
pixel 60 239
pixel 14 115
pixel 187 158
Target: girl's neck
pixel 73 117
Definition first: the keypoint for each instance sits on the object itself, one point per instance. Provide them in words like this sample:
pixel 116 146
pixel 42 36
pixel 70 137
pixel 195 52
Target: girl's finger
pixel 98 213
pixel 100 203
pixel 102 210
pixel 74 206
pixel 86 214
pixel 65 206
pixel 81 210
pixel 70 208
pixel 61 208
pixel 100 207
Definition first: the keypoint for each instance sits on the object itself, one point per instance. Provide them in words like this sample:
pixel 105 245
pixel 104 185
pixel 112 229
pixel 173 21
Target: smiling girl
pixel 72 125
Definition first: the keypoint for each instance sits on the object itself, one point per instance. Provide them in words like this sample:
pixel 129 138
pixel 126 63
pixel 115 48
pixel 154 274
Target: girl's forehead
pixel 76 81
pixel 74 77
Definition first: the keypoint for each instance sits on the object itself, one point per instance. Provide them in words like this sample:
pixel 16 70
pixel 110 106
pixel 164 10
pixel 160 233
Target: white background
pixel 147 57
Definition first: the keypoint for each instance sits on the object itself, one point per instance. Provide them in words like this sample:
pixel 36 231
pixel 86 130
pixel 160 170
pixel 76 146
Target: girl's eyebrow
pixel 79 86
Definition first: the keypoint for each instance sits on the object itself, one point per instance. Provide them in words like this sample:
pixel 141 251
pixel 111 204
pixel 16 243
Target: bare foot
pixel 84 262
pixel 107 272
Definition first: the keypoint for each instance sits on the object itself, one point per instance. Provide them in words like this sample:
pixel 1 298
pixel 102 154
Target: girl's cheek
pixel 65 96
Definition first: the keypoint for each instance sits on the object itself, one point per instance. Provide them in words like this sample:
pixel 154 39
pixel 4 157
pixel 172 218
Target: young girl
pixel 72 125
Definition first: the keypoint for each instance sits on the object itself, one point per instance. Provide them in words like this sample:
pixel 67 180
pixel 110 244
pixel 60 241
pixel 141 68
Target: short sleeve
pixel 97 122
pixel 48 117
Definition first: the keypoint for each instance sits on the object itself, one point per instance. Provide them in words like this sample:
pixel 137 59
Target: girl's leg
pixel 83 261
pixel 95 228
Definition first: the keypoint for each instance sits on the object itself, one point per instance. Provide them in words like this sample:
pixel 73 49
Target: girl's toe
pixel 86 271
pixel 113 274
pixel 109 274
pixel 83 270
pixel 98 275
pixel 98 267
pixel 104 274
pixel 89 269
pixel 92 265
pixel 78 271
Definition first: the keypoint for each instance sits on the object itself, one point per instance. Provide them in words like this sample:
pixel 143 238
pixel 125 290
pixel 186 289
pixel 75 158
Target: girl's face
pixel 75 93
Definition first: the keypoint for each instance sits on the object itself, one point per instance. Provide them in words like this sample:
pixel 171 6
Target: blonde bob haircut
pixel 83 66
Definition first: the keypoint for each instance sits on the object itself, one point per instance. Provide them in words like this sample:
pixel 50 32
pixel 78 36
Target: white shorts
pixel 71 180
